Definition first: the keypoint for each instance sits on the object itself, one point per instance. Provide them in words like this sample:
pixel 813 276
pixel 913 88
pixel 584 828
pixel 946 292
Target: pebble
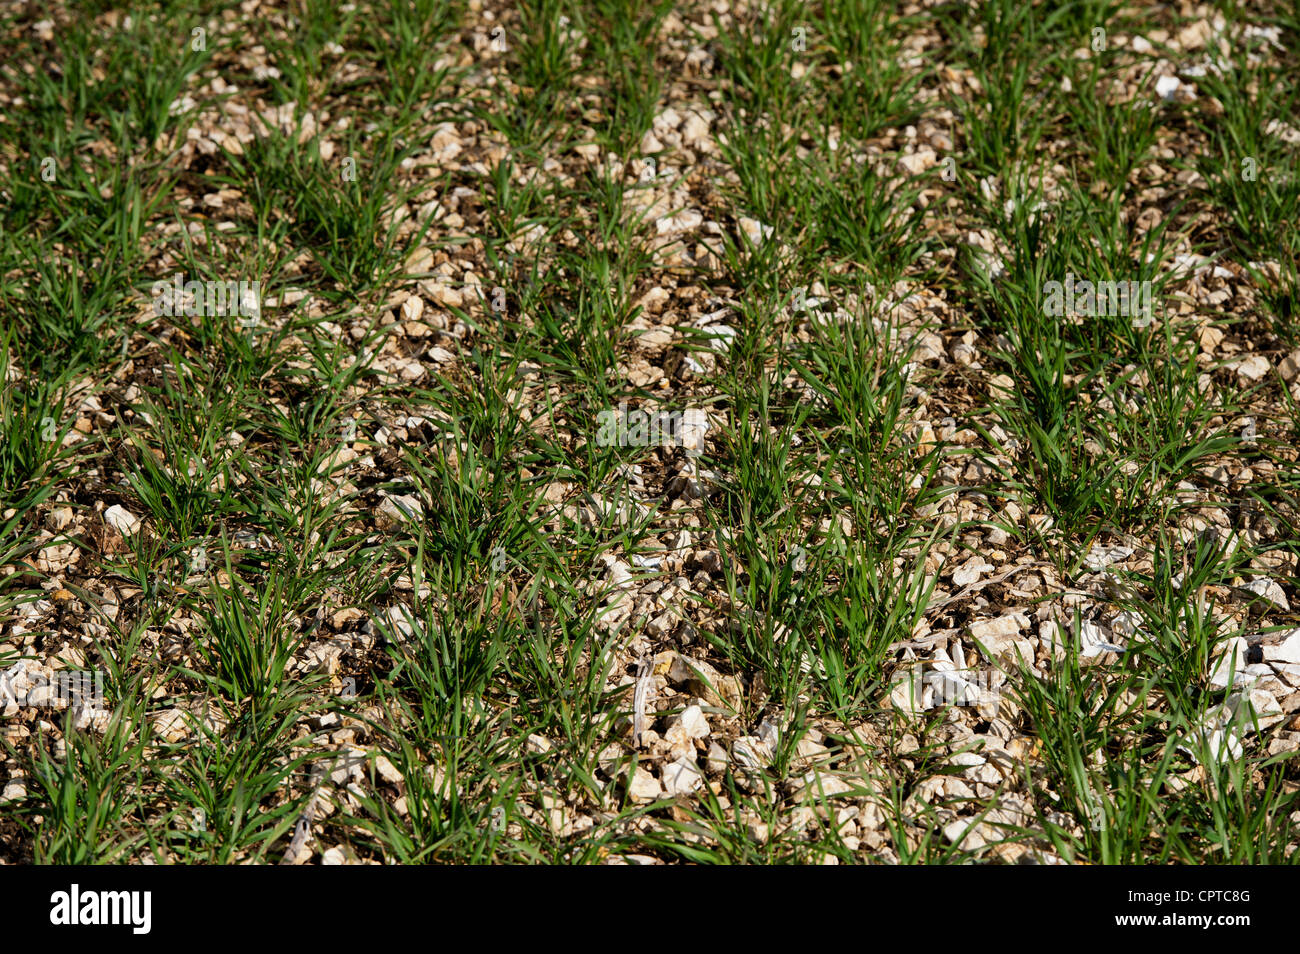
pixel 970 571
pixel 1253 368
pixel 694 723
pixel 682 777
pixel 396 509
pixel 755 232
pixel 1269 592
pixel 122 520
pixel 1281 648
pixel 644 787
pixel 1167 87
pixel 1007 625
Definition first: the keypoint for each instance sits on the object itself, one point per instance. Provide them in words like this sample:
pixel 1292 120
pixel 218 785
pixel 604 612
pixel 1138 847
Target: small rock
pixel 710 561
pixel 654 300
pixel 703 680
pixel 682 777
pixel 1269 592
pixel 715 763
pixel 694 722
pixel 400 622
pixel 1253 368
pixel 122 520
pixel 14 790
pixel 1210 338
pixel 1281 648
pixel 446 296
pixel 1167 87
pixel 695 130
pixel 917 162
pixel 644 787
pixel 58 518
pixel 820 784
pixel 1100 557
pixel 345 618
pixel 694 427
pixel 394 510
pixel 1097 639
pixel 970 571
pixel 419 261
pixel 750 752
pixel 965 833
pixel 412 308
pixel 387 771
pixel 908 695
pixel 687 220
pixel 810 752
pixel 755 231
pixel 1228 667
pixel 172 725
pixel 324 656
pixel 1009 624
pixel 662 624
pixel 1256 706
pixel 349 766
pixel 1290 367
pixel 538 744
